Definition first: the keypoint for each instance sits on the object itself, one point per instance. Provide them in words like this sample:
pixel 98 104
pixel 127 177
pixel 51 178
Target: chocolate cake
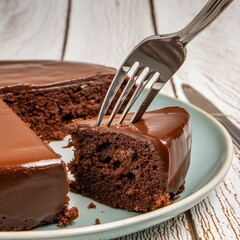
pixel 49 94
pixel 33 180
pixel 138 167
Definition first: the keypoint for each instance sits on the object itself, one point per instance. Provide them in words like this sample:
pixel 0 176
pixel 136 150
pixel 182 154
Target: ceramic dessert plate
pixel 210 161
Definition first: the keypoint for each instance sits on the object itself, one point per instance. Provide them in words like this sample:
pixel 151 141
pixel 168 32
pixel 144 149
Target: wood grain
pixel 218 216
pixel 105 32
pixel 212 66
pixel 32 29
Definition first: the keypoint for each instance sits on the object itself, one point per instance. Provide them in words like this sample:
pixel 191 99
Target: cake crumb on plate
pixel 91 205
pixel 97 221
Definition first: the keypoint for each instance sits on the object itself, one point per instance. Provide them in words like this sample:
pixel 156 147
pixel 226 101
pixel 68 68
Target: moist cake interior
pixel 138 167
pixel 49 94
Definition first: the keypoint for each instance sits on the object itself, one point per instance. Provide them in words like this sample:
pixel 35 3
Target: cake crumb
pixel 74 186
pixel 91 205
pixel 68 217
pixel 97 221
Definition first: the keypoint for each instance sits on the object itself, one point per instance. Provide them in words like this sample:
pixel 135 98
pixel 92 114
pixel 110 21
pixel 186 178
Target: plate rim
pixel 184 204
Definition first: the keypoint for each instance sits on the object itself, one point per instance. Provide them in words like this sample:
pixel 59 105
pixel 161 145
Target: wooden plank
pixel 212 67
pixel 104 32
pixel 217 216
pixel 32 29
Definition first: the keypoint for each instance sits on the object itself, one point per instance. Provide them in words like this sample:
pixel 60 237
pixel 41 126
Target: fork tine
pixel 142 83
pixel 148 97
pixel 114 87
pixel 136 74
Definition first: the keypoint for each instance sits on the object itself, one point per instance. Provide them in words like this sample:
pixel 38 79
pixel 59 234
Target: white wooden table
pixel 104 32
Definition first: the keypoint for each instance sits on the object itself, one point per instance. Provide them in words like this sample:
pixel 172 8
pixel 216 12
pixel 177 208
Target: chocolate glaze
pixel 168 130
pixel 46 73
pixel 33 184
pixel 18 144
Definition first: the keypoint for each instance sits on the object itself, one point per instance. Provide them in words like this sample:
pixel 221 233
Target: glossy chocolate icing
pixel 33 184
pixel 46 73
pixel 168 130
pixel 18 144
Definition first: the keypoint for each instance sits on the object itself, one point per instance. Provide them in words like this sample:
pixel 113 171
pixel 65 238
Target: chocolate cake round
pixel 138 167
pixel 46 95
pixel 33 179
pixel 49 94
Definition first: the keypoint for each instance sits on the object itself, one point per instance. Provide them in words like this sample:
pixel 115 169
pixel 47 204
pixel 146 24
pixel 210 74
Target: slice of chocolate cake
pixel 49 94
pixel 33 180
pixel 138 167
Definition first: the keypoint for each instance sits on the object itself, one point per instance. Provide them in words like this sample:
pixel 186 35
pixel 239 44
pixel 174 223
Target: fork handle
pixel 208 14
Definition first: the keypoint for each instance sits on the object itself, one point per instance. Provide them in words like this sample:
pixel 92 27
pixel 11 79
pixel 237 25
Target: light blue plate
pixel 210 162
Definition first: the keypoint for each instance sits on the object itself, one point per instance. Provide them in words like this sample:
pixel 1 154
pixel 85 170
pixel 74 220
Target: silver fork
pixel 154 61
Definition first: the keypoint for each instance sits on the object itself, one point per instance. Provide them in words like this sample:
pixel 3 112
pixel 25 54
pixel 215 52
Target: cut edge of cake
pixel 118 165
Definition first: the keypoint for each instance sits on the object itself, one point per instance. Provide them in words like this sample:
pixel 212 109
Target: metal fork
pixel 154 61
